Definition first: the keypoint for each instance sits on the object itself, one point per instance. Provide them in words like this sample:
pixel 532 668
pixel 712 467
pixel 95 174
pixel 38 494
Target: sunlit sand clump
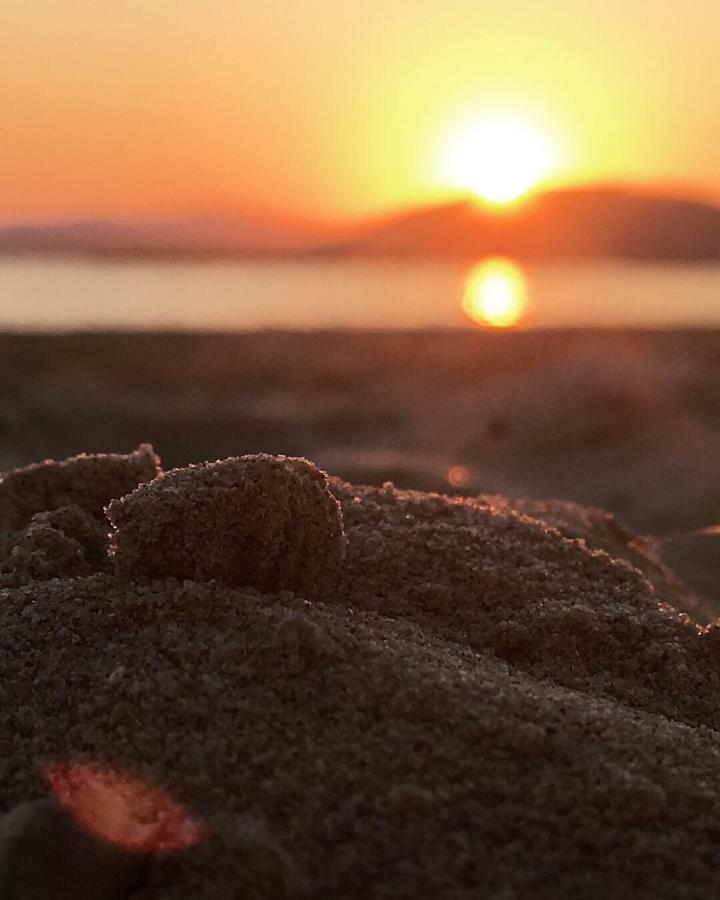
pixel 268 522
pixel 52 519
pixel 88 481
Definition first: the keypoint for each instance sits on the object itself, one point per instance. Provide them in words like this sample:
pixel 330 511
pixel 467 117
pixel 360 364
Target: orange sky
pixel 328 108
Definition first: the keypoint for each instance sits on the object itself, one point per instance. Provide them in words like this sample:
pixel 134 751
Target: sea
pixel 51 295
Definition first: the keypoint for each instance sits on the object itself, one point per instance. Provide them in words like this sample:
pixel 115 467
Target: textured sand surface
pixel 481 706
pixel 261 521
pixel 621 419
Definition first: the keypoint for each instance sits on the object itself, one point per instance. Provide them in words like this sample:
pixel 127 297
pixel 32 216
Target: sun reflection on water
pixel 496 294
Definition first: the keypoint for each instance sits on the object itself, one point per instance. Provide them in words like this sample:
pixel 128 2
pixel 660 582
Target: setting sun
pixel 498 158
pixel 495 294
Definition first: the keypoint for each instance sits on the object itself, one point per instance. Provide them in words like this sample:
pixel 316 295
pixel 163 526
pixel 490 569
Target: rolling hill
pixel 578 223
pixel 558 224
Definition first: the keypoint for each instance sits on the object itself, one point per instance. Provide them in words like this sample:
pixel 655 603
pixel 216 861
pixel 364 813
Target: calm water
pixel 47 295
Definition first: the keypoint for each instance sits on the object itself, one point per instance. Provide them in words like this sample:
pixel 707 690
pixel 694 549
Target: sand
pixel 191 523
pixel 483 703
pixel 621 419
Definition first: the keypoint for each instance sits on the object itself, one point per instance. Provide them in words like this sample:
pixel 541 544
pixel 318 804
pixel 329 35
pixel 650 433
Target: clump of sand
pixel 88 481
pixel 262 521
pixel 52 514
pixel 480 706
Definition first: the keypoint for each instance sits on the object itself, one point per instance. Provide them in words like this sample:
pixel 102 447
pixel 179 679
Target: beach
pixel 478 701
pixel 360 451
pixel 627 421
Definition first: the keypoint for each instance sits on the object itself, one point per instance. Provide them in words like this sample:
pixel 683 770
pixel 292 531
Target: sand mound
pixel 480 707
pixel 89 482
pixel 268 522
pixel 601 530
pixel 64 541
pixel 495 580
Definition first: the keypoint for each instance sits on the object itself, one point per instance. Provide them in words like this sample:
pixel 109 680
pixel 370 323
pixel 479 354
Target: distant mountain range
pixel 205 236
pixel 558 224
pixel 580 223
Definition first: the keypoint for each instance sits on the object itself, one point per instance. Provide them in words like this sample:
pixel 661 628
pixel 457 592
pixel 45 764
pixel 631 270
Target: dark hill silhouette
pixel 199 236
pixel 558 224
pixel 586 222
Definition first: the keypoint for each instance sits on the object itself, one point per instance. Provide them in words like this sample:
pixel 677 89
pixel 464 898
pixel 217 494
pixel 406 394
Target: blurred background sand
pixel 625 420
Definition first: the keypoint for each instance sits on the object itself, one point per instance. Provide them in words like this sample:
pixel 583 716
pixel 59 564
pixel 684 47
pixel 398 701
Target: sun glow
pixel 498 158
pixel 495 294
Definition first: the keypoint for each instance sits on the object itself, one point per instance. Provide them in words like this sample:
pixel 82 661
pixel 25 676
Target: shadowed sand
pixel 483 703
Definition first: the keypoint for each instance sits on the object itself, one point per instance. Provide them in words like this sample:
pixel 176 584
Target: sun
pixel 499 158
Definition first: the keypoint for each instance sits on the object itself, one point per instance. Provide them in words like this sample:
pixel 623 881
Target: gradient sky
pixel 328 109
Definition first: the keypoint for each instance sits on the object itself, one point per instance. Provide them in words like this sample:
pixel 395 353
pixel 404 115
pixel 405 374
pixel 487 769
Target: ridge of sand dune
pixel 601 530
pixel 495 580
pixel 480 707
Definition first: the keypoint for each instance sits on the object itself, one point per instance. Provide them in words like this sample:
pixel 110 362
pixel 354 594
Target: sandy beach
pixel 483 698
pixel 360 450
pixel 627 421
